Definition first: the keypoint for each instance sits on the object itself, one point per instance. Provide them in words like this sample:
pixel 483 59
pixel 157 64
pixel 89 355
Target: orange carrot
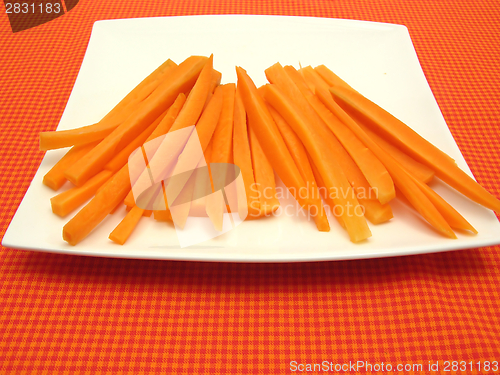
pixel 401 178
pixel 264 176
pixel 162 129
pixel 177 81
pixel 167 153
pixel 195 102
pixel 374 171
pixel 331 78
pixel 317 139
pixel 190 155
pixel 120 159
pixel 416 146
pixel 216 77
pixel 223 135
pixel 272 142
pixel 168 120
pixel 163 215
pixel 181 205
pixel 454 219
pixel 125 228
pixel 98 208
pixel 68 201
pixel 65 138
pixel 299 155
pixel 202 186
pixel 418 170
pixel 55 178
pixel 243 158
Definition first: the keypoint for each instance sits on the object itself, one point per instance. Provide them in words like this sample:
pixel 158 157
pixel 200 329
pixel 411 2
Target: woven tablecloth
pixel 70 314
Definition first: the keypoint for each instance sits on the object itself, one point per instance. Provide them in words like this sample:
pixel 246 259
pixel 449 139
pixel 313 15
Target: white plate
pixel 377 59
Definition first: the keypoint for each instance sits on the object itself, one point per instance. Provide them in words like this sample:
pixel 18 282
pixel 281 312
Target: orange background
pixel 69 314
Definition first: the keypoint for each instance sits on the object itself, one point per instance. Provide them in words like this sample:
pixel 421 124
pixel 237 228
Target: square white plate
pixel 377 59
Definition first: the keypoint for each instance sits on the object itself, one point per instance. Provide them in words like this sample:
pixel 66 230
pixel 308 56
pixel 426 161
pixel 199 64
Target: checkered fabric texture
pixel 70 315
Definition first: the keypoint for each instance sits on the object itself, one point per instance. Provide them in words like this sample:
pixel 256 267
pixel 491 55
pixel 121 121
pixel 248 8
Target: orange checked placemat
pixel 434 313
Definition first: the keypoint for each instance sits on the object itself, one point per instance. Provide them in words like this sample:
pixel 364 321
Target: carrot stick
pixel 162 129
pixel 55 178
pixel 181 205
pixel 214 201
pixel 216 77
pixel 331 78
pixel 374 171
pixel 98 208
pixel 452 216
pixel 317 139
pixel 299 155
pixel 168 120
pixel 416 146
pixel 323 191
pixel 195 102
pixel 178 80
pixel 163 215
pixel 120 159
pixel 167 153
pixel 190 156
pixel 125 228
pixel 418 170
pixel 243 158
pixel 223 136
pixel 272 142
pixel 202 187
pixel 401 178
pixel 264 176
pixel 65 138
pixel 68 201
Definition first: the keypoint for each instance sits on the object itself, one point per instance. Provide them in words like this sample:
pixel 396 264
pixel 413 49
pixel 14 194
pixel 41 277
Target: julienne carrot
pixel 120 159
pixel 452 216
pixel 190 155
pixel 401 178
pixel 272 142
pixel 331 78
pixel 162 129
pixel 68 201
pixel 299 155
pixel 418 170
pixel 124 229
pixel 317 139
pixel 375 212
pixel 216 78
pixel 202 186
pixel 416 146
pixel 167 152
pixel 374 171
pixel 222 150
pixel 98 208
pixel 168 120
pixel 178 80
pixel 55 178
pixel 65 138
pixel 264 176
pixel 243 159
